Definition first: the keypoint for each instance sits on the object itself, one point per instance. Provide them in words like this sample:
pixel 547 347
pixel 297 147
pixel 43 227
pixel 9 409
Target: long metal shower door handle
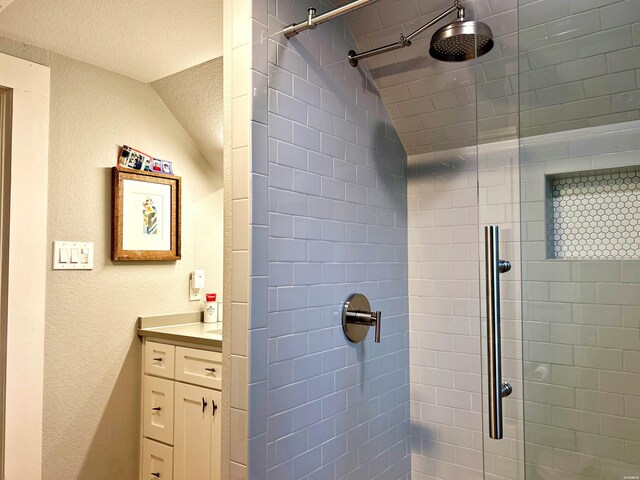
pixel 497 390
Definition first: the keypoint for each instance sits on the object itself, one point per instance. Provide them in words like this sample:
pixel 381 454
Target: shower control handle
pixel 357 317
pixel 378 320
pixel 370 319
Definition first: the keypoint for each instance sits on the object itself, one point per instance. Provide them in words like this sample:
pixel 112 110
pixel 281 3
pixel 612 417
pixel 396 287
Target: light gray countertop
pixel 183 327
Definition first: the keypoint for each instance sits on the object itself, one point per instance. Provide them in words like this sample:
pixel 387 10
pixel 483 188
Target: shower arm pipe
pixel 405 41
pixel 313 21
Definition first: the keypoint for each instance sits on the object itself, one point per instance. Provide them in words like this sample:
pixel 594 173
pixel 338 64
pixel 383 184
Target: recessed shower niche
pixel 594 215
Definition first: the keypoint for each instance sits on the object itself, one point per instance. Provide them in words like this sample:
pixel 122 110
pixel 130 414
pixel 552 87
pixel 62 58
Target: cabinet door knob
pixel 210 370
pixel 156 409
pixel 157 359
pixel 156 474
pixel 214 407
pixel 204 404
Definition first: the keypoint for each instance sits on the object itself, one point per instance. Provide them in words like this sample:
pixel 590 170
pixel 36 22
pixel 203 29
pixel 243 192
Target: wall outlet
pixel 196 285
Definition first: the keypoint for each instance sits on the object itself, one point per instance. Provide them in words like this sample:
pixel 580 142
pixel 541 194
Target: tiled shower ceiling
pixel 580 68
pixel 431 103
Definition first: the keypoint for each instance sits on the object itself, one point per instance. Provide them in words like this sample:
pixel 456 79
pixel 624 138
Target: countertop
pixel 183 327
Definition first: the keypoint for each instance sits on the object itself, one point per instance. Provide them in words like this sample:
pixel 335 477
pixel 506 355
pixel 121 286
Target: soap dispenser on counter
pixel 210 308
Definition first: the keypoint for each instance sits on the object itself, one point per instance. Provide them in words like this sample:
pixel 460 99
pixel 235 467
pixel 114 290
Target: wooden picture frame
pixel 146 216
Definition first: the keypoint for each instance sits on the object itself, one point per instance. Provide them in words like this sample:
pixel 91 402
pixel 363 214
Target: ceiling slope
pixel 146 40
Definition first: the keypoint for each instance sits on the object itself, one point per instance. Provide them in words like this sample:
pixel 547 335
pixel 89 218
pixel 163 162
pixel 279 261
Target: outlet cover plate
pixel 72 255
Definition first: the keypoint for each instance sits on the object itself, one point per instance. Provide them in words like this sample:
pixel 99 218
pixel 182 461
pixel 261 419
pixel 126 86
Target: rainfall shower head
pixel 461 40
pixel 456 42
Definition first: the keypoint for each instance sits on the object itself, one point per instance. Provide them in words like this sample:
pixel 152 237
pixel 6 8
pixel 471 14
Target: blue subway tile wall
pixel 337 220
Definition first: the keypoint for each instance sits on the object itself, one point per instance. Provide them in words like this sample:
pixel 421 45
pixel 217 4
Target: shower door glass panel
pixel 445 371
pixel 499 205
pixel 580 189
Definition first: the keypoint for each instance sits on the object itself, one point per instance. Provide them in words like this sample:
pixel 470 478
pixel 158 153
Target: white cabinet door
pixel 192 433
pixel 216 433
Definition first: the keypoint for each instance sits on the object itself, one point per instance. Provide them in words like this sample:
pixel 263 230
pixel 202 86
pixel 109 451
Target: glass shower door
pixel 498 238
pixel 559 174
pixel 579 189
pixel 581 307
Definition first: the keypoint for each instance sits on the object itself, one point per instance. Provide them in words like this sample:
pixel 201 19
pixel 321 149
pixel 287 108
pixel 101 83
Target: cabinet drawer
pixel 159 359
pixel 199 367
pixel 158 409
pixel 157 461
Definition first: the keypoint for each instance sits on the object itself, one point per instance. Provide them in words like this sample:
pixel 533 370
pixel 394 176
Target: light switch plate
pixel 72 255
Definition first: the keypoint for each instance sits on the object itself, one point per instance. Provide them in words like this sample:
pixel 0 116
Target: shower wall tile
pixel 336 215
pixel 604 362
pixel 581 352
pixel 238 197
pixel 446 349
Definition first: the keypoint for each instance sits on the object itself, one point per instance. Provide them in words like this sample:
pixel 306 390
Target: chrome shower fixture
pixel 459 41
pixel 313 21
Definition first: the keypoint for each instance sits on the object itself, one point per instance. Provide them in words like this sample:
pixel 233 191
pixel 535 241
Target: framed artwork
pixel 146 216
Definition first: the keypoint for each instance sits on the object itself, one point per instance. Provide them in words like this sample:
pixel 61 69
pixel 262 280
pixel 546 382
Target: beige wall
pixel 194 98
pixel 92 355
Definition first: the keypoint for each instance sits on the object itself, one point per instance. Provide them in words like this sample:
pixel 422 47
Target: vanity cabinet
pixel 181 418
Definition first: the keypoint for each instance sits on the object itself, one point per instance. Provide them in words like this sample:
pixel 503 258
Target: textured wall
pixel 336 225
pixel 194 97
pixel 92 355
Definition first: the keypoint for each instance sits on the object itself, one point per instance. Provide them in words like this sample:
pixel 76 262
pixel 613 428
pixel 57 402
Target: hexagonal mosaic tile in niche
pixel 594 214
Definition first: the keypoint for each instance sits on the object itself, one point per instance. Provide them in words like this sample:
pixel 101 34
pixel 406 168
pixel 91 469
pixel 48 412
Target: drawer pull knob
pixel 156 409
pixel 156 474
pixel 204 404
pixel 212 370
pixel 158 359
pixel 214 407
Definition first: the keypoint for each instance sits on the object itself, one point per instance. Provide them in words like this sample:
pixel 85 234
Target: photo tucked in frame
pixel 146 216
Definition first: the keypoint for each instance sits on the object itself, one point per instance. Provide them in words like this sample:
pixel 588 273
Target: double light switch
pixel 72 255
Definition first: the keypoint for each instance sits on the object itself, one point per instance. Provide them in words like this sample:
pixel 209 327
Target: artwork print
pixel 150 216
pixel 146 224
